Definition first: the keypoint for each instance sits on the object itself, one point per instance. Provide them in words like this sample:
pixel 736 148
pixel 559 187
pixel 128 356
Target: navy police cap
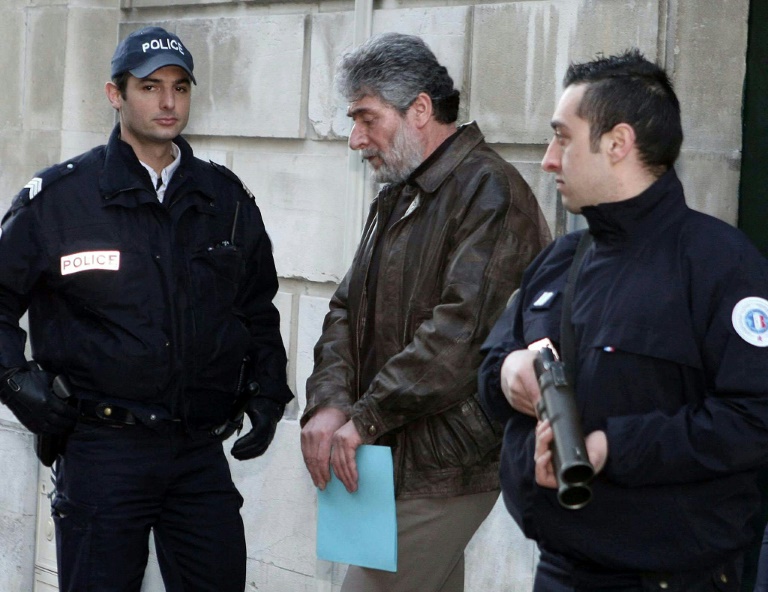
pixel 148 49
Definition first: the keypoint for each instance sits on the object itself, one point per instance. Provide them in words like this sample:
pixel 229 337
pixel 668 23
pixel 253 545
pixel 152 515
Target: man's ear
pixel 114 96
pixel 421 110
pixel 618 142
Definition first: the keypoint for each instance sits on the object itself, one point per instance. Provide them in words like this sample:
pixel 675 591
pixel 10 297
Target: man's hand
pixel 344 444
pixel 316 443
pixel 264 414
pixel 519 383
pixel 597 450
pixel 29 395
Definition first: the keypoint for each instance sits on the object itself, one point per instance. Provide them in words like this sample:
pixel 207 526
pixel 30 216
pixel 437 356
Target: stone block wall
pixel 265 106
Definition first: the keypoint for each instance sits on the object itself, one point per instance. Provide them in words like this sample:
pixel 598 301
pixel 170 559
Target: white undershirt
pixel 160 183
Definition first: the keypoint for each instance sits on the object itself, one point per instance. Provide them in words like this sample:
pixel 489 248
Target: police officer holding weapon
pixel 660 315
pixel 148 279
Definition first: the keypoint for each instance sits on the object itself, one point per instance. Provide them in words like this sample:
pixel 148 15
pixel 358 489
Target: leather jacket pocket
pixel 461 436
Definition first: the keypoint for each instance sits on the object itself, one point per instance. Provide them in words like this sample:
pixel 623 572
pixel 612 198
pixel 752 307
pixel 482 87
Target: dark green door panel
pixel 753 192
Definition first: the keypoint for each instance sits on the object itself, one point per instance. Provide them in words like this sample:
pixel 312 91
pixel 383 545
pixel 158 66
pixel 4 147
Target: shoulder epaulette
pixel 42 181
pixel 230 175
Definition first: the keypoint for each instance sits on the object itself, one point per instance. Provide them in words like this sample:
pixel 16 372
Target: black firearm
pixel 49 446
pixel 573 470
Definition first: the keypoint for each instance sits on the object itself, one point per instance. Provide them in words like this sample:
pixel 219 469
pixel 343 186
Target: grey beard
pixel 402 159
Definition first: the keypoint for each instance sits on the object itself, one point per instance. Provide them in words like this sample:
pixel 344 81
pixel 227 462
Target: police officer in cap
pixel 148 279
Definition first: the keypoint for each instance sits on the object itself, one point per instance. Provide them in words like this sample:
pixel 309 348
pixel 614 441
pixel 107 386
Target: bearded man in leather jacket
pixel 445 244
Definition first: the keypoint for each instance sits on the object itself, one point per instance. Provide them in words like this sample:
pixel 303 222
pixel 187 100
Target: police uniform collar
pixel 123 171
pixel 615 222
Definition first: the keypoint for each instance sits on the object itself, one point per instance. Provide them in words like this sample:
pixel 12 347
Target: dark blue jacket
pixel 164 300
pixel 670 316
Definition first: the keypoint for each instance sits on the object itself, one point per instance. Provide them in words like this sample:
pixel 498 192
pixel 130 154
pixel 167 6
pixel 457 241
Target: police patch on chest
pixel 87 260
pixel 750 319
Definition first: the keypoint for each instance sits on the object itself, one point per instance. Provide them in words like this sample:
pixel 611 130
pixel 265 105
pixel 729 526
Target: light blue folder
pixel 360 528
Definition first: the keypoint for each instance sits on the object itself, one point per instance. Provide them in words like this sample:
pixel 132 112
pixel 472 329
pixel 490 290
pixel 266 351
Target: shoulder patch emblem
pixel 34 187
pixel 42 181
pixel 750 320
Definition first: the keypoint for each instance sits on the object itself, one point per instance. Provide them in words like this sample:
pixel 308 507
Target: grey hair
pixel 396 68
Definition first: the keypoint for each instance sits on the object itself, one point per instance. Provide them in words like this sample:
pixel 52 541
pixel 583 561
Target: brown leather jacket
pixel 447 268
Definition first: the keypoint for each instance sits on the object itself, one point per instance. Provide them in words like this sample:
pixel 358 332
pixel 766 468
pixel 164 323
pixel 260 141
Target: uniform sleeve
pixel 331 383
pixel 726 431
pixel 256 300
pixel 22 260
pixel 492 246
pixel 505 337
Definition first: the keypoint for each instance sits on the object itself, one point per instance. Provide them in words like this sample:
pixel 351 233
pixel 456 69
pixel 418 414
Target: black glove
pixel 264 414
pixel 29 394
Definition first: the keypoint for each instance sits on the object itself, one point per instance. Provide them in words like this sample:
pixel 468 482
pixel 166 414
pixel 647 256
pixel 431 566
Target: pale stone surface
pixel 312 311
pixel 709 73
pixel 152 578
pixel 91 40
pixel 21 156
pixel 17 508
pixel 12 67
pixel 301 196
pixel 499 558
pixel 522 49
pixel 332 35
pixel 284 303
pixel 74 143
pixel 110 4
pixel 279 508
pixel 44 71
pixel 711 183
pixel 249 74
pixel 45 581
pixel 159 3
pixel 45 553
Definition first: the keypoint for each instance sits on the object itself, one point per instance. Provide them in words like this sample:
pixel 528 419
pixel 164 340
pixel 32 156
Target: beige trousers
pixel 431 536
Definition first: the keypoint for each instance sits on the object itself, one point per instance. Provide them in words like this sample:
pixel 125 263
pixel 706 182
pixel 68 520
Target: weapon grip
pixel 61 387
pixel 47 446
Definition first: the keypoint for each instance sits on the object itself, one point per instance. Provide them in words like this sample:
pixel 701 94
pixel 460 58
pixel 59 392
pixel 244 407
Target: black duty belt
pixel 106 412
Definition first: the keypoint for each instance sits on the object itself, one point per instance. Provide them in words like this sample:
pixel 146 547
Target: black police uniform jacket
pixel 669 313
pixel 146 304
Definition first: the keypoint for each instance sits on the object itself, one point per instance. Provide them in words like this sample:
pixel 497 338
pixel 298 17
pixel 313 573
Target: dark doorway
pixel 753 196
pixel 753 190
